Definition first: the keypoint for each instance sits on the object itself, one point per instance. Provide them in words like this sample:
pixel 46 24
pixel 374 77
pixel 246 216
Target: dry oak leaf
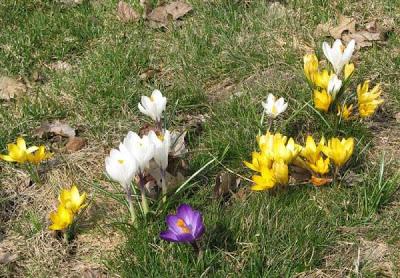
pixel 160 16
pixel 6 257
pixel 54 128
pixel 11 88
pixel 346 24
pixel 75 144
pixel 126 13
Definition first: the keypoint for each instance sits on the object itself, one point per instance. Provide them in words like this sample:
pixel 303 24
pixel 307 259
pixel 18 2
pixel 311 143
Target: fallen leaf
pixel 346 24
pixel 148 74
pixel 178 145
pixel 75 144
pixel 6 257
pixel 11 88
pixel 126 13
pixel 397 117
pixel 225 184
pixel 54 128
pixel 320 181
pixel 178 9
pixel 322 30
pixel 299 174
pixel 162 15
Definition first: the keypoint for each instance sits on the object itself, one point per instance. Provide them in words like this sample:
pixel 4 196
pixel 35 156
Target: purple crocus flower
pixel 186 226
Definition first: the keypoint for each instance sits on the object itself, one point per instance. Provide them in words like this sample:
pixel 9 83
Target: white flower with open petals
pixel 121 166
pixel 334 85
pixel 153 106
pixel 142 149
pixel 161 147
pixel 338 55
pixel 273 107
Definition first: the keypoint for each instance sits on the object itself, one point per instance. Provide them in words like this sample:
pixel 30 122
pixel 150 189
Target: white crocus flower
pixel 338 55
pixel 153 106
pixel 161 148
pixel 274 107
pixel 142 149
pixel 334 85
pixel 121 166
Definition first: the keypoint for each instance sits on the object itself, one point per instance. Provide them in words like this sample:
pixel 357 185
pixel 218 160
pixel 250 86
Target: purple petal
pixel 185 237
pixel 186 212
pixel 169 236
pixel 198 226
pixel 172 224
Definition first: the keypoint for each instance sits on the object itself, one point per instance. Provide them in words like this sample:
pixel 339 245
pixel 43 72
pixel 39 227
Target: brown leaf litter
pixel 126 13
pixel 373 31
pixel 11 88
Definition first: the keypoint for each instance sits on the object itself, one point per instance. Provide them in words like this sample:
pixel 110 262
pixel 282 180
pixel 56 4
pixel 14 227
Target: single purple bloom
pixel 186 226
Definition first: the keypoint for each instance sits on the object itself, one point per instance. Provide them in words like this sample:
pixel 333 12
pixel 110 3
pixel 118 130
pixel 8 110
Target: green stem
pixel 131 206
pixel 164 185
pixel 145 205
pixel 33 173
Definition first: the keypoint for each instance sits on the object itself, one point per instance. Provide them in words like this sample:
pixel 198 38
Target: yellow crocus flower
pixel 311 152
pixel 265 181
pixel 348 70
pixel 39 155
pixel 321 79
pixel 258 162
pixel 281 172
pixel 368 101
pixel 310 65
pixel 71 199
pixel 286 152
pixel 321 166
pixel 61 219
pixel 339 151
pixel 322 100
pixel 345 111
pixel 18 152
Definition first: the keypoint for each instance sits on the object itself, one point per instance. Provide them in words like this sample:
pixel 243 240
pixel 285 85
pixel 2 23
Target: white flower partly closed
pixel 273 107
pixel 161 148
pixel 334 85
pixel 338 55
pixel 121 166
pixel 153 106
pixel 142 149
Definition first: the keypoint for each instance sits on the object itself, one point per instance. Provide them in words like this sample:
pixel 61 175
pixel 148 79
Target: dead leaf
pixel 397 117
pixel 75 144
pixel 178 145
pixel 299 174
pixel 322 30
pixel 162 15
pixel 148 74
pixel 11 88
pixel 126 13
pixel 226 184
pixel 54 128
pixel 363 38
pixel 7 257
pixel 346 24
pixel 320 181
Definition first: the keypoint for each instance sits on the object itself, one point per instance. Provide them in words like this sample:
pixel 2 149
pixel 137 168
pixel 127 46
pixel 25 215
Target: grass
pixel 222 48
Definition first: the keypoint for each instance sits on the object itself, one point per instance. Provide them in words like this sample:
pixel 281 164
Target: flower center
pixel 181 224
pixel 121 161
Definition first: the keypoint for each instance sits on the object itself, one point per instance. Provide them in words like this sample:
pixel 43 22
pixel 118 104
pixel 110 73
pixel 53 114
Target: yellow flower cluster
pixel 277 153
pixel 21 154
pixel 70 203
pixel 329 91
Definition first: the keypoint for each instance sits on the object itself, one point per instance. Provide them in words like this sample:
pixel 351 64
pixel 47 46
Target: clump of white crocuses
pixel 338 55
pixel 273 108
pixel 133 157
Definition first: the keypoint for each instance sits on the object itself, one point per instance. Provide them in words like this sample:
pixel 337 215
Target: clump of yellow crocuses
pixel 277 153
pixel 71 203
pixel 329 86
pixel 30 157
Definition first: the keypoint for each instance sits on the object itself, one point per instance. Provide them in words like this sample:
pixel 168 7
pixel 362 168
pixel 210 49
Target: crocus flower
pixel 264 181
pixel 334 85
pixel 310 66
pixel 368 101
pixel 321 79
pixel 258 162
pixel 161 148
pixel 71 199
pixel 186 226
pixel 321 166
pixel 153 106
pixel 273 107
pixel 338 55
pixel 121 166
pixel 311 151
pixel 348 70
pixel 142 149
pixel 61 219
pixel 345 111
pixel 281 172
pixel 339 151
pixel 39 155
pixel 322 100
pixel 18 152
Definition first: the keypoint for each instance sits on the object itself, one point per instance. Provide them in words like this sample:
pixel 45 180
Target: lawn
pixel 215 66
